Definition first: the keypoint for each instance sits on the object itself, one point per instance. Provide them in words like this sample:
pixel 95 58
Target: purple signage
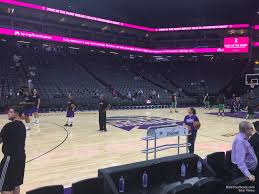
pixel 35 35
pixel 129 123
pixel 256 43
pixel 86 17
pixel 256 27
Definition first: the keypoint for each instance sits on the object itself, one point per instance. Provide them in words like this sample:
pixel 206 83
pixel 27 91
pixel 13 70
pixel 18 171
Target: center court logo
pixel 139 122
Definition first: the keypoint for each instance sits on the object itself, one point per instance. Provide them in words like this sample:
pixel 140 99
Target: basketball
pixel 196 125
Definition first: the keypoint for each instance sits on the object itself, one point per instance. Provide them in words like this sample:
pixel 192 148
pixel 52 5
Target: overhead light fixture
pixel 102 51
pixel 62 19
pixel 3 40
pixel 75 48
pixel 105 28
pixel 45 45
pixel 194 56
pixel 92 50
pixel 208 55
pixel 21 41
pixel 114 53
pixel 181 56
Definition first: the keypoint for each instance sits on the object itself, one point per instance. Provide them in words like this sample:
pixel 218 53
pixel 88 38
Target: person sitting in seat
pixel 243 155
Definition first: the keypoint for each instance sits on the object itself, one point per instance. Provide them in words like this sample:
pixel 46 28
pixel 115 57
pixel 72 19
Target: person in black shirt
pixel 206 101
pixel 250 109
pixel 232 103
pixel 36 106
pixel 221 102
pixel 70 111
pixel 27 105
pixel 12 166
pixel 254 141
pixel 237 105
pixel 103 106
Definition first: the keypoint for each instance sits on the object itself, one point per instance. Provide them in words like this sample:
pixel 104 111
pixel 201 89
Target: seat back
pixel 217 162
pixel 182 189
pixel 54 189
pixel 88 186
pixel 209 185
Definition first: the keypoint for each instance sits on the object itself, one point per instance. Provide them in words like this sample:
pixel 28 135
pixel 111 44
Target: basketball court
pixel 59 155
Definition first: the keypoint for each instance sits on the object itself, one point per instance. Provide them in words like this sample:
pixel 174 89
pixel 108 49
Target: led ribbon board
pixel 91 18
pixel 40 36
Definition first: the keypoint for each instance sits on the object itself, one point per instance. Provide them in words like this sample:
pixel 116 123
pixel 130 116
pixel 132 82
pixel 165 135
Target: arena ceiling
pixel 162 13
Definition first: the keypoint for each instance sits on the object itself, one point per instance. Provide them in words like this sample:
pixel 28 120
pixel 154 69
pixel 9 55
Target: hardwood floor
pixel 58 155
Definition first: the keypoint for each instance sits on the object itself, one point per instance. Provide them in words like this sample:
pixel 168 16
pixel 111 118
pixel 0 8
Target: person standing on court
pixel 174 103
pixel 221 103
pixel 27 105
pixel 103 107
pixel 189 122
pixel 70 111
pixel 12 166
pixel 243 155
pixel 206 101
pixel 36 106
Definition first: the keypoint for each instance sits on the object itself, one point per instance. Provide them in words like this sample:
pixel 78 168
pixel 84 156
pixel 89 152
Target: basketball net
pixel 252 85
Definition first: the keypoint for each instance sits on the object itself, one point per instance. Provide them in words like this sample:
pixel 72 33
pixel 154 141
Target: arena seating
pixel 215 75
pixel 169 180
pixel 118 76
pixel 55 73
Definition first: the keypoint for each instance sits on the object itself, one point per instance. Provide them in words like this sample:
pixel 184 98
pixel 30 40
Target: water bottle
pixel 145 180
pixel 183 170
pixel 121 185
pixel 199 167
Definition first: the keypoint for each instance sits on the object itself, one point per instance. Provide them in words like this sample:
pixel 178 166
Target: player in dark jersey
pixel 221 103
pixel 237 105
pixel 12 166
pixel 70 111
pixel 233 99
pixel 36 106
pixel 206 101
pixel 103 106
pixel 174 103
pixel 27 106
pixel 250 109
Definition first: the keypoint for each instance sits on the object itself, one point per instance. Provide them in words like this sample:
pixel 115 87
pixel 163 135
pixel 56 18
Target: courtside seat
pixel 182 189
pixel 209 185
pixel 228 165
pixel 88 186
pixel 54 189
pixel 217 162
